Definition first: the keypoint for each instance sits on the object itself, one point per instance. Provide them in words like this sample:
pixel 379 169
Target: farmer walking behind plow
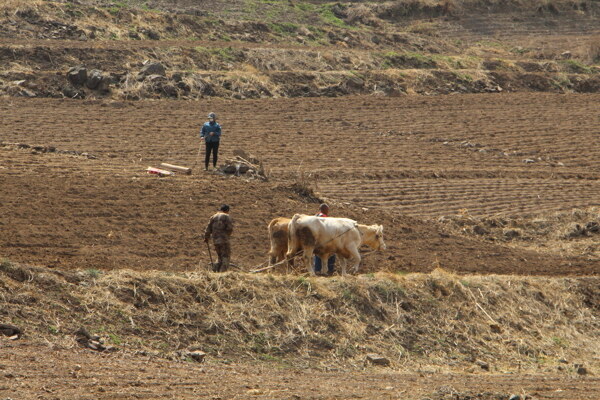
pixel 220 227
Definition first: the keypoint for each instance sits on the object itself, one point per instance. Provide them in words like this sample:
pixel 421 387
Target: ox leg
pixel 355 258
pixel 308 260
pixel 289 264
pixel 343 262
pixel 289 257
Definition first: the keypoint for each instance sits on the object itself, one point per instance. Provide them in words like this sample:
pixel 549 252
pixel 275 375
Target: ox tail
pixel 293 245
pixel 270 230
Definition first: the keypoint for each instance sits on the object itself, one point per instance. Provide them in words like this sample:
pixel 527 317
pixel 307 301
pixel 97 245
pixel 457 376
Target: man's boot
pixel 224 264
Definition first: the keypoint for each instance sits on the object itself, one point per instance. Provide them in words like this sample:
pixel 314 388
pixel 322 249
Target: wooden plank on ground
pixel 159 172
pixel 177 168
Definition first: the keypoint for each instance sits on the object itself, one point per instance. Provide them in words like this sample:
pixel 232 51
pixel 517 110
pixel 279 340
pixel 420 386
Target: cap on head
pixel 224 208
pixel 323 207
pixel 212 115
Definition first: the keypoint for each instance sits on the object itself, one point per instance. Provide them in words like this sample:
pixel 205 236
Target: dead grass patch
pixel 593 53
pixel 573 232
pixel 434 320
pixel 20 5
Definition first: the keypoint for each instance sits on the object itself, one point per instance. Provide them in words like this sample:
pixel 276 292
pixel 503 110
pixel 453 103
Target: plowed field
pixel 424 157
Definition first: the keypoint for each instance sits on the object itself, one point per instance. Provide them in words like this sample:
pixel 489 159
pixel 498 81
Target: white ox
pixel 327 236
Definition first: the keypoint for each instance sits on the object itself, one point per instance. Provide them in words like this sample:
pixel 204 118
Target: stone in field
pixel 77 75
pixel 94 79
pixel 153 68
pixel 376 359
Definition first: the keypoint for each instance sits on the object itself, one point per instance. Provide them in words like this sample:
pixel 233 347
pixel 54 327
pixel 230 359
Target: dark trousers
pixel 214 148
pixel 223 256
pixel 330 264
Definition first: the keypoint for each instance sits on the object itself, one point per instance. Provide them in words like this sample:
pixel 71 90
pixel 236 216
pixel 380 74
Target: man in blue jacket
pixel 211 134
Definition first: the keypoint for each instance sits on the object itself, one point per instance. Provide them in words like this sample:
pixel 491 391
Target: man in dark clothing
pixel 220 227
pixel 211 134
pixel 324 212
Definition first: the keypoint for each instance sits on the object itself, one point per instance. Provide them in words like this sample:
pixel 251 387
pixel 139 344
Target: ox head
pixel 373 236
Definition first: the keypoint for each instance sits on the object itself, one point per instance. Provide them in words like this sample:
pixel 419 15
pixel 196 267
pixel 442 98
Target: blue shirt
pixel 209 127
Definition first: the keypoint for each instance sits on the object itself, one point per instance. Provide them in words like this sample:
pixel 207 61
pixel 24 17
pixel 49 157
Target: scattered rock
pixel 10 330
pixel 580 369
pixel 235 168
pixel 593 227
pixel 511 233
pixel 94 79
pixel 574 231
pixel 376 359
pixel 483 365
pixel 26 93
pixel 152 68
pixel 93 342
pixel 169 90
pixel 304 31
pixel 567 55
pixel 197 355
pixel 193 355
pixel 241 166
pixel 177 77
pixel 514 397
pixel 479 230
pixel 528 161
pixel 150 34
pixel 73 93
pixel 77 75
pixel 155 78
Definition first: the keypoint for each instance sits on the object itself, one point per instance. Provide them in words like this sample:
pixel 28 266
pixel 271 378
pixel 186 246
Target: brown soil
pixel 105 213
pixel 83 374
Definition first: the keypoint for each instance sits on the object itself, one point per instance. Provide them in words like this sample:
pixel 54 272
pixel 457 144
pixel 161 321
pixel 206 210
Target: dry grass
pixel 428 320
pixel 568 233
pixel 20 5
pixel 593 54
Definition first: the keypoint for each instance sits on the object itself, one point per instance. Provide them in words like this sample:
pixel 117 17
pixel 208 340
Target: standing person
pixel 211 134
pixel 220 227
pixel 324 213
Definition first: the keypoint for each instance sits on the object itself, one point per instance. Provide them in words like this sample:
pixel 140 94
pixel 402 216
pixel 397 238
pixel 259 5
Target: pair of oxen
pixel 323 237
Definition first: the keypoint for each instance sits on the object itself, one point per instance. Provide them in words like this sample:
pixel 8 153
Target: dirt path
pixel 76 373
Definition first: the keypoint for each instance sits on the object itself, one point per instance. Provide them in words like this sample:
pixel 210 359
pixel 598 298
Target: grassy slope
pixel 512 323
pixel 273 48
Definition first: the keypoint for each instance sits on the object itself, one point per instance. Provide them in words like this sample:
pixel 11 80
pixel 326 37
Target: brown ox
pixel 278 234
